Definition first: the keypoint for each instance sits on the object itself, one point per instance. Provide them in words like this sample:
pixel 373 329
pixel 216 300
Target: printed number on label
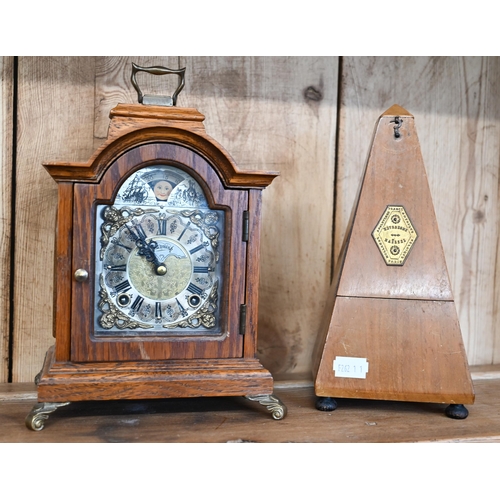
pixel 349 367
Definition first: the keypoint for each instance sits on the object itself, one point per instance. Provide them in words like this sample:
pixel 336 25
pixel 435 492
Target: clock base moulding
pixel 66 381
pixel 60 383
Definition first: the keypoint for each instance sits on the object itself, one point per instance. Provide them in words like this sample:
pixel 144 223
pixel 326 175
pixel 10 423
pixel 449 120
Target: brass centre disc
pixel 165 281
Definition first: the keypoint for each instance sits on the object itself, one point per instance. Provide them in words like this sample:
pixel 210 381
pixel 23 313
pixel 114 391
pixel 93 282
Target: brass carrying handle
pixel 157 70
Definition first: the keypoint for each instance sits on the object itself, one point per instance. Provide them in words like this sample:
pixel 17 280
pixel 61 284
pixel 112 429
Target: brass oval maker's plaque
pixel 394 235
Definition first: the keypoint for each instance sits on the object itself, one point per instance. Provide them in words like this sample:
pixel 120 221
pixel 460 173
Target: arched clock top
pixel 133 125
pixel 161 186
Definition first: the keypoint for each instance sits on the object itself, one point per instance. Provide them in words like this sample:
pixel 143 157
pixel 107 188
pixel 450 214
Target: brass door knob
pixel 81 275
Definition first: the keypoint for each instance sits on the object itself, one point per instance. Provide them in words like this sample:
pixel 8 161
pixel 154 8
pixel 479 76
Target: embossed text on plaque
pixel 394 235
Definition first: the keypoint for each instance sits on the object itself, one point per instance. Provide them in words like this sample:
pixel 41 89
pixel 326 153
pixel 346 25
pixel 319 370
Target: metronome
pixel 391 330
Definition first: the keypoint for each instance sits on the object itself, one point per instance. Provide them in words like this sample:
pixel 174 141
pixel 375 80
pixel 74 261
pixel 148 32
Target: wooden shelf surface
pixel 235 419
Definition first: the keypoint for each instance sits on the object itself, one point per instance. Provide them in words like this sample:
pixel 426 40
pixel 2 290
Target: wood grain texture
pixel 55 121
pixel 457 112
pixel 395 176
pixel 279 113
pixel 60 382
pixel 236 420
pixel 400 319
pixel 113 86
pixel 274 113
pixel 414 350
pixel 6 132
pixel 253 269
pixel 133 124
pixel 63 250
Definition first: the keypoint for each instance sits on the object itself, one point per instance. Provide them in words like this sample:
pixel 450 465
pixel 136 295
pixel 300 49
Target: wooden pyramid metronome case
pixel 391 329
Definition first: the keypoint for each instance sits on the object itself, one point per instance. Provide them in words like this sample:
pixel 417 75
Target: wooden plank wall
pixel 275 113
pixel 55 121
pixel 280 114
pixel 6 117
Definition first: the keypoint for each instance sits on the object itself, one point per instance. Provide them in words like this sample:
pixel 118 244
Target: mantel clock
pixel 156 267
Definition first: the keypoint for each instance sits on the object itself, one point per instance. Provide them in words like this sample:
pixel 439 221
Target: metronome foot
pixel 456 411
pixel 326 404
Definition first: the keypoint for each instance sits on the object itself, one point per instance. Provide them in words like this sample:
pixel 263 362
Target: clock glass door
pixel 161 237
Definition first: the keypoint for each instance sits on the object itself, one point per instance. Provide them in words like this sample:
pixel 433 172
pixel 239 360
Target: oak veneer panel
pixel 414 350
pixel 279 113
pixel 6 121
pixel 457 111
pixel 63 270
pixel 55 121
pixel 252 269
pixel 62 382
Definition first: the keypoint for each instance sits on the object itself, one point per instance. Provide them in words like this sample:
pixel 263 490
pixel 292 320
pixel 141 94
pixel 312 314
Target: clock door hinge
pixel 243 319
pixel 246 225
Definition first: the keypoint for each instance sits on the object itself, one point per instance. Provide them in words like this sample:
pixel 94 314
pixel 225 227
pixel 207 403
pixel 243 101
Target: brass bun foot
pixel 272 403
pixel 35 420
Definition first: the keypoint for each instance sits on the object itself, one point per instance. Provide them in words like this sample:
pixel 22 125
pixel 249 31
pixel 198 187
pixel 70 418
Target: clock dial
pixel 158 258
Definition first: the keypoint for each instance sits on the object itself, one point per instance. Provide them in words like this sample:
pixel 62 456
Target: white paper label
pixel 350 367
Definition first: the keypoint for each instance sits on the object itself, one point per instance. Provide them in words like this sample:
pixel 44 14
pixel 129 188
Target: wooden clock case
pixel 80 367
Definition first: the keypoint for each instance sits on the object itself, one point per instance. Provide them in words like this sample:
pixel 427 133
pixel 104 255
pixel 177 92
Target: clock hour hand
pixel 148 250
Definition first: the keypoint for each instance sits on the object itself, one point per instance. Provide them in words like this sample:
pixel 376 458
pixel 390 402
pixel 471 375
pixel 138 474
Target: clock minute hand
pixel 148 250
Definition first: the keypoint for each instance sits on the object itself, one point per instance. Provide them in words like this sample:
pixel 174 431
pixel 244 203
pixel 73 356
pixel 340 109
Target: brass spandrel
pixel 394 235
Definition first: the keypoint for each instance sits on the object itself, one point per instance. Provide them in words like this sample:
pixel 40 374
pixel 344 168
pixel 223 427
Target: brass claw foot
pixel 272 403
pixel 35 419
